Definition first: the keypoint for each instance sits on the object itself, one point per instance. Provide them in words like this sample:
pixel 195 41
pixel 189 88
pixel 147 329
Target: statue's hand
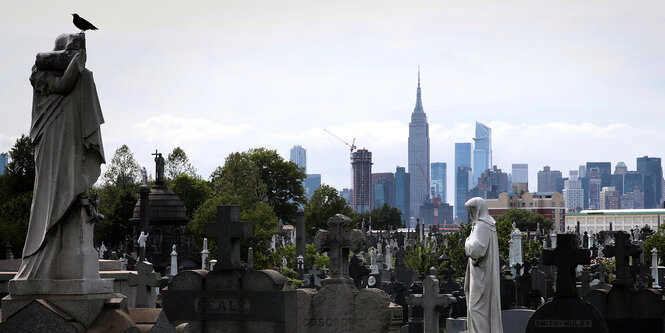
pixel 80 59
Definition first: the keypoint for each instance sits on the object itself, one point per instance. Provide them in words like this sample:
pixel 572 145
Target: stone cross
pixel 429 300
pixel 622 250
pixel 338 241
pixel 566 256
pixel 316 272
pixel 229 231
pixel 146 279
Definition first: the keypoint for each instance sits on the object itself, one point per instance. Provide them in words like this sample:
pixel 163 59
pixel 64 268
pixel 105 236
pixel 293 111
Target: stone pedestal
pixel 77 264
pixel 82 308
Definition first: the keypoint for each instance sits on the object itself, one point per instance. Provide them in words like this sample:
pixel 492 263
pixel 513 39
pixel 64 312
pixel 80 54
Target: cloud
pixel 171 130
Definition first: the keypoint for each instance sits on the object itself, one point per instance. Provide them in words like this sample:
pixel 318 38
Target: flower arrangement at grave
pixel 596 263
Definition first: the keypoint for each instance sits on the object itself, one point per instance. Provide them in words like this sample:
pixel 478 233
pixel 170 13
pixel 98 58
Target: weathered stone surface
pixel 40 317
pixel 570 314
pixel 515 320
pixel 231 300
pixel 113 321
pixel 83 308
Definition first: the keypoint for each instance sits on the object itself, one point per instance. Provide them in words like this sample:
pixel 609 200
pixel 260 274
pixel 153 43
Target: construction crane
pixel 351 146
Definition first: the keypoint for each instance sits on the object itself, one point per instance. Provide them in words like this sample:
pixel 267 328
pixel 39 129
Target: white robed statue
pixel 65 131
pixel 481 284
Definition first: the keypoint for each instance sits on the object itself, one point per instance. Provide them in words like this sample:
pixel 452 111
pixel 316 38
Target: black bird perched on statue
pixel 82 24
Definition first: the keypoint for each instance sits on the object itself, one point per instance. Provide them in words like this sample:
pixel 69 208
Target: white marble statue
pixel 481 284
pixel 65 132
pixel 142 238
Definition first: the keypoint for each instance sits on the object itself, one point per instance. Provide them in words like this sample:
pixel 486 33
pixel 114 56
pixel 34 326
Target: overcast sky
pixel 559 82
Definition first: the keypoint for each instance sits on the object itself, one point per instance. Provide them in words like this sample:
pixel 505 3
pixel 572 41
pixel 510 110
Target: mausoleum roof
pixel 165 207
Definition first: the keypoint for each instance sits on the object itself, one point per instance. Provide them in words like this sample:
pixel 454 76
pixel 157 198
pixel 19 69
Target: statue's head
pixel 477 210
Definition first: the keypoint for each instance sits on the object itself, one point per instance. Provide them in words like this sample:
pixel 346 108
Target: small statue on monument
pixel 142 239
pixel 159 167
pixel 144 177
pixel 481 284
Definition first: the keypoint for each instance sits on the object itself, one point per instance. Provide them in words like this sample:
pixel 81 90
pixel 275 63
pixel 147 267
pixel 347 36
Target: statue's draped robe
pixel 481 284
pixel 68 153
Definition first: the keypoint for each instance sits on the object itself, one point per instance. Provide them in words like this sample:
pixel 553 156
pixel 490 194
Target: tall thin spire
pixel 419 102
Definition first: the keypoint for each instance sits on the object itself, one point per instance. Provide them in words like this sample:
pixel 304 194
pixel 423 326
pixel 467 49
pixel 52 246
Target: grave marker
pixel 566 312
pixel 229 230
pixel 429 301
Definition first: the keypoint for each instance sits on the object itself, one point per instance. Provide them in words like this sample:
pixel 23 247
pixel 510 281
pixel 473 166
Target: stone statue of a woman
pixel 59 257
pixel 481 284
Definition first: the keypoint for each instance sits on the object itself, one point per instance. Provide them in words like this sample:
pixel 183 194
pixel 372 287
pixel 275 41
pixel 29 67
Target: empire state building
pixel 419 166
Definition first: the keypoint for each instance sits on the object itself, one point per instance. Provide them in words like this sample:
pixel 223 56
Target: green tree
pixel 382 218
pixel 123 168
pixel 21 168
pixel 118 195
pixel 177 163
pixel 239 177
pixel 16 186
pixel 525 219
pixel 422 257
pixel 192 191
pixel 532 250
pixel 283 181
pixel 503 229
pixel 655 241
pixel 316 258
pixel 455 249
pixel 324 204
pixel 116 203
pixel 261 216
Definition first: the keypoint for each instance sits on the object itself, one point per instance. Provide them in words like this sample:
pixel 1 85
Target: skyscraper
pixel 299 156
pixel 312 182
pixel 520 173
pixel 439 181
pixel 361 192
pixel 547 179
pixel 462 159
pixel 462 186
pixel 595 182
pixel 603 172
pixel 402 188
pixel 383 189
pixel 573 193
pixel 482 151
pixel 418 155
pixel 653 180
pixel 4 160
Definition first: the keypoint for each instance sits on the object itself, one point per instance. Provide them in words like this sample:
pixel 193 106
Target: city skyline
pixel 559 83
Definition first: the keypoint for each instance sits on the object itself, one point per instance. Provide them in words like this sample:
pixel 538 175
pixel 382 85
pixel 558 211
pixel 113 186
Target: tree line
pixel 265 186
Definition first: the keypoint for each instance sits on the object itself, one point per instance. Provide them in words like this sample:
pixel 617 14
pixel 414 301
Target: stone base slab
pixel 61 287
pixel 82 308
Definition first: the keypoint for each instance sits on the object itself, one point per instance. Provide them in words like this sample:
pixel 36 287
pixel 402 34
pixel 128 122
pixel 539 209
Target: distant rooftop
pixel 655 211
